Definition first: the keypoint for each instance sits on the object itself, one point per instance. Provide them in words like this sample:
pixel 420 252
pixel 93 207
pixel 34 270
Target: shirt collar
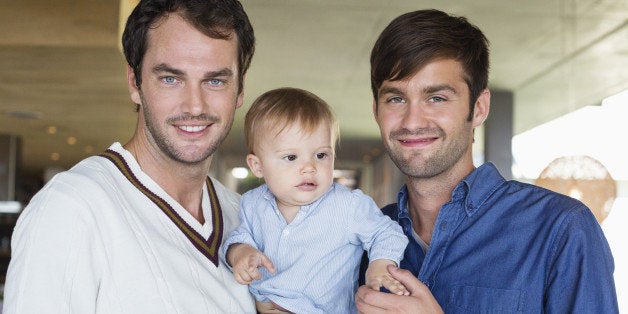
pixel 478 186
pixel 402 202
pixel 474 189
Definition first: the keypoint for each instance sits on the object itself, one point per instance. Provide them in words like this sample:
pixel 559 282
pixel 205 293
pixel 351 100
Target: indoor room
pixel 558 110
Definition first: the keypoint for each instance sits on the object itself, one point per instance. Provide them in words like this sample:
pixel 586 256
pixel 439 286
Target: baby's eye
pixel 290 157
pixel 321 155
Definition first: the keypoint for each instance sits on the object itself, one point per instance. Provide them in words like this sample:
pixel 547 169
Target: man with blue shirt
pixel 478 243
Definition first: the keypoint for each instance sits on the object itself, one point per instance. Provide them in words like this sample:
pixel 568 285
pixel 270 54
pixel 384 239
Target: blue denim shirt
pixel 509 247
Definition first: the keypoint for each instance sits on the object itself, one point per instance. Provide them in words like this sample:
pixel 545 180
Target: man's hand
pixel 377 275
pixel 420 299
pixel 245 259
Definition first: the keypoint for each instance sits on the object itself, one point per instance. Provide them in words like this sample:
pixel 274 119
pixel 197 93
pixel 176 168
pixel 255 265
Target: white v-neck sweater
pixel 105 238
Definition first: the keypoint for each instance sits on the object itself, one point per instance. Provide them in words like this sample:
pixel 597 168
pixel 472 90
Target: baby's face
pixel 297 167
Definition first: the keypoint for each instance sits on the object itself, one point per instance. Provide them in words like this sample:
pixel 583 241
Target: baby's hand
pixel 245 260
pixel 377 276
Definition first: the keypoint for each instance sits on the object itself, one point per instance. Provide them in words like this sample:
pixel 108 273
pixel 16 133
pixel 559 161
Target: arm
pixel 380 236
pixel 56 261
pixel 245 259
pixel 244 233
pixel 420 299
pixel 580 274
pixel 241 249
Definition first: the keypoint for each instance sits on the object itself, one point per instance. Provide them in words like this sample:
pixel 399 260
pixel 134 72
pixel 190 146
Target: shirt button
pixel 443 225
pixel 286 232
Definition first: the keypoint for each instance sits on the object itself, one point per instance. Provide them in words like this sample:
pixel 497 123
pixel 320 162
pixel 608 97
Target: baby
pixel 301 235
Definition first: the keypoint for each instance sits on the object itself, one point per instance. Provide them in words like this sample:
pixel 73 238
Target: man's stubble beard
pixel 168 147
pixel 424 167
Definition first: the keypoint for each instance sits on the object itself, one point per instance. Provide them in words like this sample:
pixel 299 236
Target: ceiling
pixel 63 88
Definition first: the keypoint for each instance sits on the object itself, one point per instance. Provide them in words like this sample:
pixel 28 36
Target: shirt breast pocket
pixel 471 299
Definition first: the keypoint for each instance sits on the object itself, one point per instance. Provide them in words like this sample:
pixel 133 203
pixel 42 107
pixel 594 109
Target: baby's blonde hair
pixel 279 108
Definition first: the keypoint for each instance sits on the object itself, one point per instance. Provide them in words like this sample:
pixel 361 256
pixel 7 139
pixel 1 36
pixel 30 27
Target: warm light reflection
pixel 575 193
pixel 583 178
pixel 239 172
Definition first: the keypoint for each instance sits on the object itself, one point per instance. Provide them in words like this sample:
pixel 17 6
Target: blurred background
pixel 559 79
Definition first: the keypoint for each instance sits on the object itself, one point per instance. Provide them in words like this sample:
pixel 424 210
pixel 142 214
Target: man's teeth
pixel 195 128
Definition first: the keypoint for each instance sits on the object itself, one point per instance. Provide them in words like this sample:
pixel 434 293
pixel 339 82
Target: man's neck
pixel 424 203
pixel 426 196
pixel 184 183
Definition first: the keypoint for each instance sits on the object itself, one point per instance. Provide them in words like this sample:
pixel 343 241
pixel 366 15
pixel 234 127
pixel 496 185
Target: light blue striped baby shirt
pixel 317 255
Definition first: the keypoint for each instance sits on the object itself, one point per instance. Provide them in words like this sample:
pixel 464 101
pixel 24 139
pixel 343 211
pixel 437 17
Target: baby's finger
pixel 242 277
pixel 254 274
pixel 395 286
pixel 375 285
pixel 267 263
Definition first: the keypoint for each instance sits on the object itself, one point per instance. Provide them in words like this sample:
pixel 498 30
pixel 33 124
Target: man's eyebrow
pixel 427 90
pixel 166 68
pixel 389 90
pixel 439 88
pixel 220 73
pixel 163 67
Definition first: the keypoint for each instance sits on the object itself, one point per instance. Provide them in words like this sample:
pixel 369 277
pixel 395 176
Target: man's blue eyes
pixel 401 100
pixel 172 80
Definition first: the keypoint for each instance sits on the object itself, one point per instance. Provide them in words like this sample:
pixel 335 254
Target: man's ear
pixel 134 90
pixel 481 109
pixel 255 165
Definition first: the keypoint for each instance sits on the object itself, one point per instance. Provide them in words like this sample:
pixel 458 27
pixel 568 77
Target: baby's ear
pixel 255 165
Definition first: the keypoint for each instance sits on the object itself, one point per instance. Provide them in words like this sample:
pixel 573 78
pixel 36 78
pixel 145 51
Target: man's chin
pixel 193 156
